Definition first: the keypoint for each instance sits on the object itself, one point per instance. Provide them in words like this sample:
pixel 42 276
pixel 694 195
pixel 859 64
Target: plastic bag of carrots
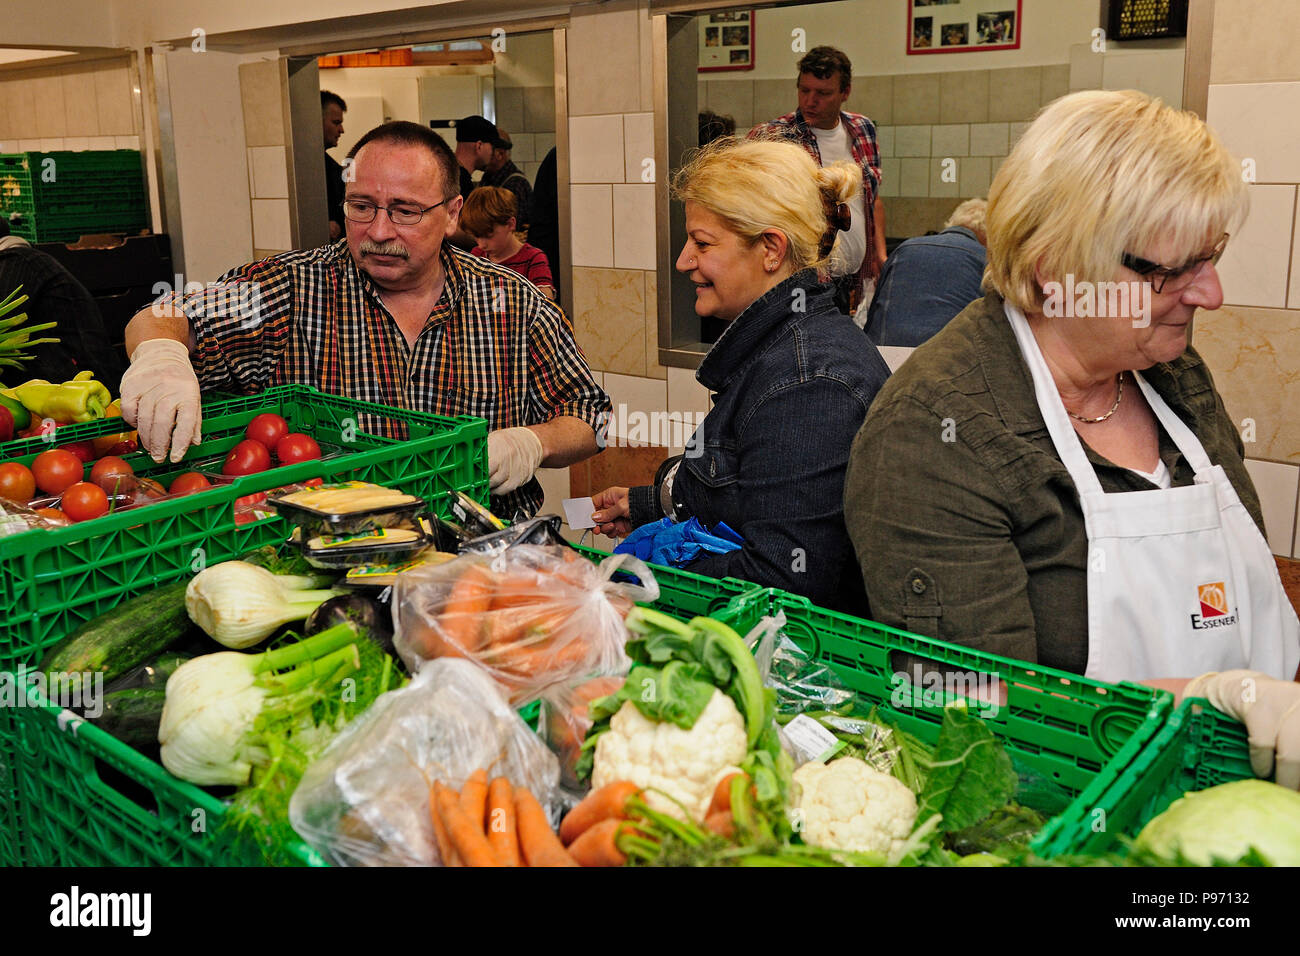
pixel 531 617
pixel 369 799
pixel 565 720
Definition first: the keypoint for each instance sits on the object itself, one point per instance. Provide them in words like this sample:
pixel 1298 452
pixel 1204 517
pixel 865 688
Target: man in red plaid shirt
pixel 828 133
pixel 392 313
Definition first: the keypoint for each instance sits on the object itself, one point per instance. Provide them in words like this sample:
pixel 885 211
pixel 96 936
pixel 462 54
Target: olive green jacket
pixel 965 521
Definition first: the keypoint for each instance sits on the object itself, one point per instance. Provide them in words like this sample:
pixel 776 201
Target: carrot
pixel 462 612
pixel 721 801
pixel 597 846
pixel 502 832
pixel 473 797
pixel 608 802
pixel 521 589
pixel 466 834
pixel 540 845
pixel 721 823
pixel 512 628
pixel 446 852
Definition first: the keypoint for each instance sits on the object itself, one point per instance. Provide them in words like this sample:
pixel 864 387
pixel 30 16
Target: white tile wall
pixel 643 395
pixel 951 140
pixel 270 177
pixel 1293 294
pixel 944 173
pixel 988 139
pixel 126 142
pixel 685 394
pixel 976 172
pixel 915 178
pixel 1260 121
pixel 1277 484
pixel 543 143
pixel 638 146
pixel 1253 269
pixel 885 140
pixel 912 141
pixel 891 171
pixel 593 226
pixel 596 149
pixel 102 142
pixel 271 224
pixel 634 234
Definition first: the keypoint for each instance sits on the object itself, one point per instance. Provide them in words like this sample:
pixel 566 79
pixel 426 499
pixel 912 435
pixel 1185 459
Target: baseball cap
pixel 477 129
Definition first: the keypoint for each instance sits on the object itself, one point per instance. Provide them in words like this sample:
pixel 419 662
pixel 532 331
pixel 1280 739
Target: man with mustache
pixel 393 314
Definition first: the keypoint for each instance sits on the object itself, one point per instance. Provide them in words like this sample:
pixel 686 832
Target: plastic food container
pixel 376 546
pixel 313 521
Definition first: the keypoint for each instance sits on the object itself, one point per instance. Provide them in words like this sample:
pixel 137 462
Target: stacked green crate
pixel 61 196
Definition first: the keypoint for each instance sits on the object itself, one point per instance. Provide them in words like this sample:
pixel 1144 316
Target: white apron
pixel 1180 580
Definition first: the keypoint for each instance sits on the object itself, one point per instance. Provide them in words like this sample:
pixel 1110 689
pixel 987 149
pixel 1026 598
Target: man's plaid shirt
pixel 493 347
pixel 862 144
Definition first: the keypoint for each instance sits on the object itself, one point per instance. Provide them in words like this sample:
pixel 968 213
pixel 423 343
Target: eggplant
pixel 366 614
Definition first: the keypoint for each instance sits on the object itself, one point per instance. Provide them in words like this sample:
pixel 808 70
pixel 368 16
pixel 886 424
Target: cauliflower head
pixel 846 805
pixel 685 764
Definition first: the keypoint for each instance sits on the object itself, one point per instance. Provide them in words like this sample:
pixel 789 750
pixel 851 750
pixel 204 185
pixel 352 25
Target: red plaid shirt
pixel 493 347
pixel 862 144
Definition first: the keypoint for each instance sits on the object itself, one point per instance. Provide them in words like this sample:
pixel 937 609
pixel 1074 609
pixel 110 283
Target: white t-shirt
pixel 851 245
pixel 1161 477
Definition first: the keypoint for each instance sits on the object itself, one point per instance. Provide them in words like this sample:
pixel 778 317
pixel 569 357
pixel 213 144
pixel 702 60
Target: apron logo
pixel 1213 598
pixel 1214 603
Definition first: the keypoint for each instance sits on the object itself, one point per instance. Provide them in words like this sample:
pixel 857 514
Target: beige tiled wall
pixel 268 172
pixel 1252 344
pixel 969 118
pixel 73 107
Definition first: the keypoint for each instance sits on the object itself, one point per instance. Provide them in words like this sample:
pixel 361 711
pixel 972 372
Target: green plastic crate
pixel 1198 747
pixel 51 581
pixel 91 192
pixel 1061 730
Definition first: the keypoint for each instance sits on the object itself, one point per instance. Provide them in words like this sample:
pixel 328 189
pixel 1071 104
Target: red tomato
pixel 108 471
pixel 82 449
pixel 84 501
pixel 187 483
pixel 16 482
pixel 267 428
pixel 124 447
pixel 55 470
pixel 247 458
pixel 297 447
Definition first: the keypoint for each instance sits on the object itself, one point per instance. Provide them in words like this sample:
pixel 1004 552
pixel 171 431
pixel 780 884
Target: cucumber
pixel 133 716
pixel 125 637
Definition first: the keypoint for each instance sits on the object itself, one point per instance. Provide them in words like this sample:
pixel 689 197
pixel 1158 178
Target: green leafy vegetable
pixel 970 774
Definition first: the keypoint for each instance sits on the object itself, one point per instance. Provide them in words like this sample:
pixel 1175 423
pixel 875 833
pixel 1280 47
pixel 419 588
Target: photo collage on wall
pixel 726 41
pixel 958 26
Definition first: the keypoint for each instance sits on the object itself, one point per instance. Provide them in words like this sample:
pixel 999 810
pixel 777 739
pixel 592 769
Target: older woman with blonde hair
pixel 1053 477
pixel 793 376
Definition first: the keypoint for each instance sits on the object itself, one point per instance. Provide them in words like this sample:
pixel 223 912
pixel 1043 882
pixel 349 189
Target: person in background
pixel 793 382
pixel 929 279
pixel 489 216
pixel 1057 479
pixel 715 126
pixel 476 137
pixel 544 232
pixel 54 295
pixel 395 315
pixel 501 171
pixel 332 109
pixel 829 134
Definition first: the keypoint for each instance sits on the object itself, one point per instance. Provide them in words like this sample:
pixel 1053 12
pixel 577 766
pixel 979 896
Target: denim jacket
pixel 793 378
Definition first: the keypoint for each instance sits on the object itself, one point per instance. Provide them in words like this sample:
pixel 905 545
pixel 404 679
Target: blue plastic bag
pixel 675 544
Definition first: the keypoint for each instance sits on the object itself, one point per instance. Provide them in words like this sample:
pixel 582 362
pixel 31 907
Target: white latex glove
pixel 1269 708
pixel 514 455
pixel 160 397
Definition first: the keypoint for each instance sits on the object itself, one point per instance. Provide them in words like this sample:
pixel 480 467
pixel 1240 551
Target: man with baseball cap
pixel 476 137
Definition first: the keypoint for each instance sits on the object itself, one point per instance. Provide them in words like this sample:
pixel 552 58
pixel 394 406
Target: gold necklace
pixel 1119 393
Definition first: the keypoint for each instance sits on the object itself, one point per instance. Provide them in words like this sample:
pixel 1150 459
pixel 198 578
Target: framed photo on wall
pixel 726 41
pixel 963 26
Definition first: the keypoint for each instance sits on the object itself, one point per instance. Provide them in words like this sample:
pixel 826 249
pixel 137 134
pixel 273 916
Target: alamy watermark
pixel 1098 300
pixel 937 688
pixel 623 428
pixel 80 691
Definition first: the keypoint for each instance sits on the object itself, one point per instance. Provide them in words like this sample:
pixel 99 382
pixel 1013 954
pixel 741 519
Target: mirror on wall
pixel 438 83
pixel 947 107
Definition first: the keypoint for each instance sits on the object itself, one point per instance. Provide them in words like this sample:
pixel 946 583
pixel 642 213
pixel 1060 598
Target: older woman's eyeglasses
pixel 1165 279
pixel 400 214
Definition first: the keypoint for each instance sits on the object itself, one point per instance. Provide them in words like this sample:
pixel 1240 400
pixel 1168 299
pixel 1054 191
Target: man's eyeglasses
pixel 400 214
pixel 1164 279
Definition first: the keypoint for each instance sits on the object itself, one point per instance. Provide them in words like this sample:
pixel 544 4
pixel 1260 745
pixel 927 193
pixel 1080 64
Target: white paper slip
pixel 809 740
pixel 577 513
